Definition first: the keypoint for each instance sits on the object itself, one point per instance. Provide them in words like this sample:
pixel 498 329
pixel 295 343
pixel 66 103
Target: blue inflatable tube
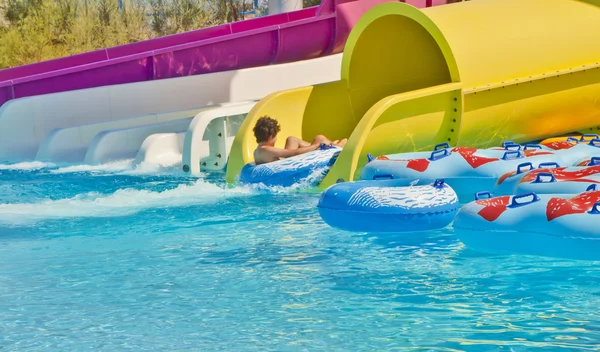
pixel 466 170
pixel 384 206
pixel 310 167
pixel 549 225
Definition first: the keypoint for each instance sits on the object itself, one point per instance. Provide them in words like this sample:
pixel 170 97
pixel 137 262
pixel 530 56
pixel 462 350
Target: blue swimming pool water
pixel 115 259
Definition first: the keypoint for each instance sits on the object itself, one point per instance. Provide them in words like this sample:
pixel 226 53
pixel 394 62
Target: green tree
pixel 36 30
pixel 310 3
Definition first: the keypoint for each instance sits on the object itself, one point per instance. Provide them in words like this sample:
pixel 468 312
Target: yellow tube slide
pixel 471 73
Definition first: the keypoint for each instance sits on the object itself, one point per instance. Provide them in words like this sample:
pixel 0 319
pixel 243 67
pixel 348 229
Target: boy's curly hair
pixel 265 128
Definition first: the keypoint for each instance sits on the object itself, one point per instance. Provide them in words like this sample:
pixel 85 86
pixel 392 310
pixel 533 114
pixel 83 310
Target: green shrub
pixel 36 30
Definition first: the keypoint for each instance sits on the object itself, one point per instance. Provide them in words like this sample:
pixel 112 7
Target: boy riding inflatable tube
pixel 383 206
pixel 550 225
pixel 310 167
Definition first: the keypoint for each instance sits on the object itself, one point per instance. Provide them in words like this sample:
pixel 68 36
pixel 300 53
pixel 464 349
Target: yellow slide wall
pixel 471 73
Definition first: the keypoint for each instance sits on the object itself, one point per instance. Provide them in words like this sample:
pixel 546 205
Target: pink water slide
pixel 281 38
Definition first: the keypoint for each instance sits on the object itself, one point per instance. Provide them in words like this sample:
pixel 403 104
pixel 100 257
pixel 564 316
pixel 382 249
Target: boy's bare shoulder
pixel 265 154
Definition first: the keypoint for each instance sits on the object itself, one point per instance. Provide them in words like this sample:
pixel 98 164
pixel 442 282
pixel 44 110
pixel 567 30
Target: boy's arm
pixel 286 153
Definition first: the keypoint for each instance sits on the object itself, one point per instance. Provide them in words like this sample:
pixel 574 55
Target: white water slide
pixel 193 118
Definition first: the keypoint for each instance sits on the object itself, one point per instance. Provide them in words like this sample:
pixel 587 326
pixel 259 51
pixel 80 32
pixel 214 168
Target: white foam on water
pixel 121 167
pixel 120 203
pixel 111 167
pixel 311 181
pixel 27 166
pixel 146 168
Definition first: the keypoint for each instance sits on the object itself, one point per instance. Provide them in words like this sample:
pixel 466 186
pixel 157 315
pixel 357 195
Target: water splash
pixel 116 166
pixel 120 203
pixel 27 166
pixel 310 182
pixel 122 167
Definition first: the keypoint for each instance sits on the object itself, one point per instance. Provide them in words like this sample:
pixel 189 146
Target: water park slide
pixel 71 144
pixel 25 123
pixel 211 132
pixel 129 141
pixel 280 38
pixel 441 81
pixel 208 138
pixel 162 149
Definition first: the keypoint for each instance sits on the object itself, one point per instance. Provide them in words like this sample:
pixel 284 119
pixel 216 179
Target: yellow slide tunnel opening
pixel 334 109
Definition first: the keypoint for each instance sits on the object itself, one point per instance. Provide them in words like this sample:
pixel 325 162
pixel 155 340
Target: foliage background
pixel 37 30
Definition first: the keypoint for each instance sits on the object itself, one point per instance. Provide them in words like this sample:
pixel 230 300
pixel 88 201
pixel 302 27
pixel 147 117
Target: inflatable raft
pixel 550 225
pixel 549 178
pixel 384 206
pixel 310 167
pixel 573 151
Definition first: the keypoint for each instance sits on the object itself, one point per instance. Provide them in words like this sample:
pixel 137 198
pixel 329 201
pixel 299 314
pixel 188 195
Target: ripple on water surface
pixel 114 259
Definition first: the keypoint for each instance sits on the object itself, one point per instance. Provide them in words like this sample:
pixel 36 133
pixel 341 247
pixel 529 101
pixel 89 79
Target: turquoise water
pixel 117 259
